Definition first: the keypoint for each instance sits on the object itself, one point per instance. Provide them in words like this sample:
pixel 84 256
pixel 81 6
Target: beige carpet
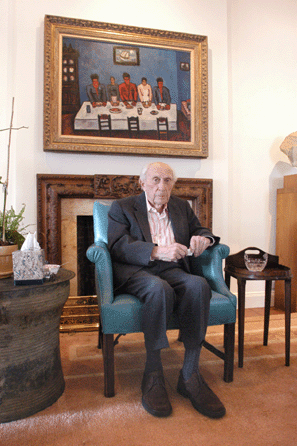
pixel 261 402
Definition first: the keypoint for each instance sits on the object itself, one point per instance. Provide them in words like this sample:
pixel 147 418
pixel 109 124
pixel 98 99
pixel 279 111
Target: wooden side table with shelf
pixel 235 267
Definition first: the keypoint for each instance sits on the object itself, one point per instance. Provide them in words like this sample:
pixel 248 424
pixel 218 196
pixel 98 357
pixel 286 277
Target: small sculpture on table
pixel 289 147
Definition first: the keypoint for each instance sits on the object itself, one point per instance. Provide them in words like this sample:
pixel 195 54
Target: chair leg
pixel 100 336
pixel 179 338
pixel 229 338
pixel 108 364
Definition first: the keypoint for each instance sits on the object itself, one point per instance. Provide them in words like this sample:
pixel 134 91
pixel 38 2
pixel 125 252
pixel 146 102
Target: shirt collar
pixel 151 208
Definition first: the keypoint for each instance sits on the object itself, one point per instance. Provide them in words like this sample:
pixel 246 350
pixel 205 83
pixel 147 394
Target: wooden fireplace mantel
pixel 51 189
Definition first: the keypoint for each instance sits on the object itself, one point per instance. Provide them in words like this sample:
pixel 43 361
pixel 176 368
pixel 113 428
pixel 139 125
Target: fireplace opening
pixel 85 268
pixel 81 313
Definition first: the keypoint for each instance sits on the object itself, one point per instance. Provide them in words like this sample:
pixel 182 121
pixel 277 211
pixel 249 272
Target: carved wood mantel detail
pixel 51 189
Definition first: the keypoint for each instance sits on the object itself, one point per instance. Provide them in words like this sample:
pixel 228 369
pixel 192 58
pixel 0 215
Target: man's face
pixel 127 80
pixel 95 83
pixel 160 84
pixel 158 184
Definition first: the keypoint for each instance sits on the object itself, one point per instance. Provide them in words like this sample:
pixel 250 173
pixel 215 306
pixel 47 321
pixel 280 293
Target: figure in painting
pixel 145 93
pixel 128 92
pixel 161 95
pixel 113 94
pixel 96 92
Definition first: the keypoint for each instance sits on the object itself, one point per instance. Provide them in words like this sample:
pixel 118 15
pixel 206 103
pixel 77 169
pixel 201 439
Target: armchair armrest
pixel 98 253
pixel 209 265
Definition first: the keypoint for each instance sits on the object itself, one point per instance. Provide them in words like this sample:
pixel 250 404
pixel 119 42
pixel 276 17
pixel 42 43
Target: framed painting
pixel 118 89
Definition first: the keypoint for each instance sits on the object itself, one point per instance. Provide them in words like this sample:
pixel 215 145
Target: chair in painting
pixel 162 126
pixel 133 126
pixel 104 122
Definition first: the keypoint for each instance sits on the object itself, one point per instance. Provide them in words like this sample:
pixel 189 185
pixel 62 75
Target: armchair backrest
pixel 98 253
pixel 100 217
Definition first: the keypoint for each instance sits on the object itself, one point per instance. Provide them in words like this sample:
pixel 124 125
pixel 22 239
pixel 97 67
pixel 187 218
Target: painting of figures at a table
pixel 125 91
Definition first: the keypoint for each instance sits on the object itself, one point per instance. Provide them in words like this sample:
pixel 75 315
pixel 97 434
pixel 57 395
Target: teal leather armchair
pixel 121 314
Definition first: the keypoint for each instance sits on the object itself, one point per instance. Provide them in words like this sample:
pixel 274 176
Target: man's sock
pixel 191 361
pixel 153 361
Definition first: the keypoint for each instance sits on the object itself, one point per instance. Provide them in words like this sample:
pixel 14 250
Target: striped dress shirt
pixel 160 226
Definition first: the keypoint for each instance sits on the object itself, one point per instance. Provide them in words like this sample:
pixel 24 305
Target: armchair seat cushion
pixel 123 315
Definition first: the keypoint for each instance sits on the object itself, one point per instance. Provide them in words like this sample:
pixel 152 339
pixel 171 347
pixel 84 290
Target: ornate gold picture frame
pixel 124 90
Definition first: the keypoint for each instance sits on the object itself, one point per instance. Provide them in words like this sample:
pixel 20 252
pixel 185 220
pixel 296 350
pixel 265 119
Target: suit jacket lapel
pixel 141 216
pixel 176 220
pixel 178 225
pixel 174 215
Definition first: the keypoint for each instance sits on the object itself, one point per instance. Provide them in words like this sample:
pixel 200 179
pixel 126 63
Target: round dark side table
pixel 31 376
pixel 235 267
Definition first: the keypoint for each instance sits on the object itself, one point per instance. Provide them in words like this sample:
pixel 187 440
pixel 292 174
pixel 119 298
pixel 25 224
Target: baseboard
pixel 256 299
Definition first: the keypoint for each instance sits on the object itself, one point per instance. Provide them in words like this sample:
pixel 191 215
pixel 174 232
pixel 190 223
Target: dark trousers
pixel 163 288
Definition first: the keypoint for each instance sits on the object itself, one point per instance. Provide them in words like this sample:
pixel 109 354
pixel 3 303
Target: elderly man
pixel 150 237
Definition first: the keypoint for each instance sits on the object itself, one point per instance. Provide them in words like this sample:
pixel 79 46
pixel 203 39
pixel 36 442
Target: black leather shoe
pixel 201 396
pixel 154 395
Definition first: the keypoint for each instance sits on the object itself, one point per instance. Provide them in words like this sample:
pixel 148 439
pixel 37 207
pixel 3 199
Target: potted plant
pixel 11 237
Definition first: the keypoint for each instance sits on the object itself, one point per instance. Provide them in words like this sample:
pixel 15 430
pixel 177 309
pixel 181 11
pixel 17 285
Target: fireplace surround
pixel 80 191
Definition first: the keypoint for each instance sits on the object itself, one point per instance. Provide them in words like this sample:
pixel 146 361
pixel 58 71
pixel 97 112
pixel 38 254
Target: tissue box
pixel 28 267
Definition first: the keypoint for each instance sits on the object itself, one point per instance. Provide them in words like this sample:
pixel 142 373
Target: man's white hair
pixel 144 170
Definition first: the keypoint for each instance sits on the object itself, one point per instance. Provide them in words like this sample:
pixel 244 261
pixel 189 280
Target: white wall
pixel 252 103
pixel 262 112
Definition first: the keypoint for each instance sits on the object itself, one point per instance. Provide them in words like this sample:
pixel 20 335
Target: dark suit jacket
pixel 93 96
pixel 157 95
pixel 129 237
